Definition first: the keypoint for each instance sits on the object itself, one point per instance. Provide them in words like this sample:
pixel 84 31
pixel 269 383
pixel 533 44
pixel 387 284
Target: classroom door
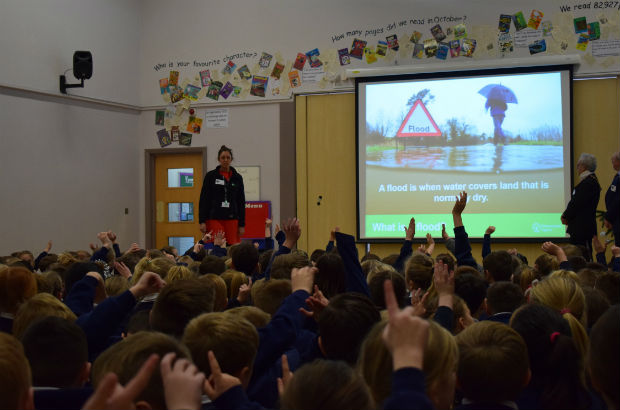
pixel 325 166
pixel 178 180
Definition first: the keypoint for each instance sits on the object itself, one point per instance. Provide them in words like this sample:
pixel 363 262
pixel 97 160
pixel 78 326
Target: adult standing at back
pixel 580 214
pixel 612 200
pixel 222 199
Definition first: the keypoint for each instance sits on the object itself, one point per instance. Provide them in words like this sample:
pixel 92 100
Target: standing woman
pixel 222 199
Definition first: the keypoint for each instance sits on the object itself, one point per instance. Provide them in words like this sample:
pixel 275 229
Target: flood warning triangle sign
pixel 418 123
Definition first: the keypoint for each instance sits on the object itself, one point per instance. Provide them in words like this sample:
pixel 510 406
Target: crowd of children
pixel 235 328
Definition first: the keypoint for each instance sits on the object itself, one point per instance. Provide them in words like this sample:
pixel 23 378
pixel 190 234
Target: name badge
pixel 612 188
pixel 219 182
pixel 225 204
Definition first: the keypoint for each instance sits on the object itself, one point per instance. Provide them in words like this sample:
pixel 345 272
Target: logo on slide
pixel 540 228
pixel 418 123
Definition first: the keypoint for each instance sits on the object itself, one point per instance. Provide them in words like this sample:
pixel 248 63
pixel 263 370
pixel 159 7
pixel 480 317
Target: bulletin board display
pixel 251 182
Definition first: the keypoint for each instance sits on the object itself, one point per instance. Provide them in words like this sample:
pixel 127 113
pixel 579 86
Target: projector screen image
pixel 502 136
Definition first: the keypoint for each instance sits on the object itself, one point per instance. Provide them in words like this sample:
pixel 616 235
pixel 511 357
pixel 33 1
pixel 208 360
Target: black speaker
pixel 82 65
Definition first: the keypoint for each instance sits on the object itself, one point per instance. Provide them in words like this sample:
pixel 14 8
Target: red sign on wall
pixel 418 123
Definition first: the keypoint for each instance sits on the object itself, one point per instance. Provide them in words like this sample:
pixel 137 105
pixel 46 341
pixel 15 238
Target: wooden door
pixel 178 180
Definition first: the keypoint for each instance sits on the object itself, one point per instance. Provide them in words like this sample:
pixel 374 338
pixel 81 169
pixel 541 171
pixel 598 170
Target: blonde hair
pixel 526 278
pixel 234 279
pixel 563 273
pixel 233 340
pixel 565 296
pixel 15 376
pixel 545 264
pixel 371 266
pixel 66 259
pixel 419 270
pixel 115 285
pixel 375 361
pixel 37 307
pixel 179 272
pixel 160 266
pixel 219 285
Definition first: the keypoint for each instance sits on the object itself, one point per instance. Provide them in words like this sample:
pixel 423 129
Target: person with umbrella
pixel 498 96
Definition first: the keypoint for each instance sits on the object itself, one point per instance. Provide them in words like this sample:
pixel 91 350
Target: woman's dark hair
pixel 331 276
pixel 555 361
pixel 224 148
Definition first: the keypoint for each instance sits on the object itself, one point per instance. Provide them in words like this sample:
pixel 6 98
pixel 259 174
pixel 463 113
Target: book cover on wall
pixel 460 31
pixel 164 138
pixel 505 43
pixel 244 73
pixel 547 28
pixel 265 60
pixel 278 68
pixel 581 26
pixel 294 79
pixel 174 133
pixel 185 139
pixel 205 78
pixel 194 125
pixel 313 58
pixel 430 47
pixel 236 91
pixel 594 30
pixel 438 33
pixel 300 61
pixel 176 94
pixel 455 48
pixel 163 86
pixel 357 48
pixel 519 21
pixel 442 51
pixel 214 90
pixel 229 68
pixel 392 42
pixel 415 38
pixel 259 83
pixel 504 22
pixel 371 56
pixel 191 92
pixel 582 41
pixel 226 90
pixel 160 116
pixel 535 19
pixel 418 51
pixel 343 56
pixel 173 78
pixel 382 48
pixel 468 47
pixel 538 46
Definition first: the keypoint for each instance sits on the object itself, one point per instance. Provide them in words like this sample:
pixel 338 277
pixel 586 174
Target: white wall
pixel 254 136
pixel 66 173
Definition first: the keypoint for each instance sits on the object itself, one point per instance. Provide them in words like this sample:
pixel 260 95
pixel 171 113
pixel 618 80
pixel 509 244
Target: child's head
pixel 245 258
pixel 212 264
pixel 498 266
pixel 440 362
pixel 504 297
pixel 252 314
pixel 15 379
pixel 127 356
pixel 493 363
pixel 375 285
pixel 344 324
pixel 331 276
pixel 327 384
pixel 555 362
pixel 58 353
pixel 179 272
pixel 221 292
pixel 545 264
pixel 282 265
pixel 609 284
pixel 233 340
pixel 419 271
pixel 16 286
pixel 115 285
pixel 269 295
pixel 160 266
pixel 37 307
pixel 472 288
pixel 604 356
pixel 234 279
pixel 525 277
pixel 180 302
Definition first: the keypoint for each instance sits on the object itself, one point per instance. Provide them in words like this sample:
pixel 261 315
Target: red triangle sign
pixel 419 123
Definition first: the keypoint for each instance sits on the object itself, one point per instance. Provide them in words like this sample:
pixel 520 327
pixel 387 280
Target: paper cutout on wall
pixel 164 138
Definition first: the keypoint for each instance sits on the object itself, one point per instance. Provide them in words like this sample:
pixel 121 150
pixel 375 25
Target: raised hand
pixel 554 250
pixel 244 292
pixel 148 283
pixel 218 383
pixel 410 230
pixel 220 239
pixel 316 302
pixel 490 230
pixel 48 248
pixel 418 302
pixel 122 269
pixel 111 236
pixel 443 279
pixel 287 376
pixel 444 234
pixel 292 231
pixel 303 278
pixel 459 205
pixel 183 383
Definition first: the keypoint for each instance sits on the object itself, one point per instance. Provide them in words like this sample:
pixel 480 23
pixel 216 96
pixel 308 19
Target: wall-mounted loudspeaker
pixel 82 65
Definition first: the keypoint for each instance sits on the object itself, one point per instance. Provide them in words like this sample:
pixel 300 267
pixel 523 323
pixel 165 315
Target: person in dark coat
pixel 580 214
pixel 612 200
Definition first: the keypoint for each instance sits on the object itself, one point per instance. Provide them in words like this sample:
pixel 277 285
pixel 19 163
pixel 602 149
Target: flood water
pixel 473 158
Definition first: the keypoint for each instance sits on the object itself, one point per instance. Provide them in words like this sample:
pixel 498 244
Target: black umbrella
pixel 498 92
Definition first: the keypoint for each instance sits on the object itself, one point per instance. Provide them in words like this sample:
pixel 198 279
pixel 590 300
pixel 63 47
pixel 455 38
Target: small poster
pixel 594 31
pixel 194 125
pixel 214 90
pixel 300 61
pixel 438 33
pixel 191 91
pixel 265 60
pixel 538 46
pixel 175 132
pixel 418 51
pixel 226 90
pixel 582 41
pixel 313 57
pixel 174 78
pixel 416 36
pixel 244 73
pixel 430 47
pixel 205 78
pixel 581 25
pixel 176 94
pixel 547 28
pixel 504 23
pixel 392 42
pixel 277 70
pixel 382 48
pixel 164 137
pixel 343 56
pixel 455 48
pixel 293 78
pixel 217 118
pixel 460 31
pixel 519 21
pixel 236 91
pixel 505 43
pixel 163 86
pixel 468 47
pixel 370 55
pixel 259 84
pixel 229 68
pixel 160 117
pixel 442 51
pixel 357 48
pixel 535 19
pixel 185 139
